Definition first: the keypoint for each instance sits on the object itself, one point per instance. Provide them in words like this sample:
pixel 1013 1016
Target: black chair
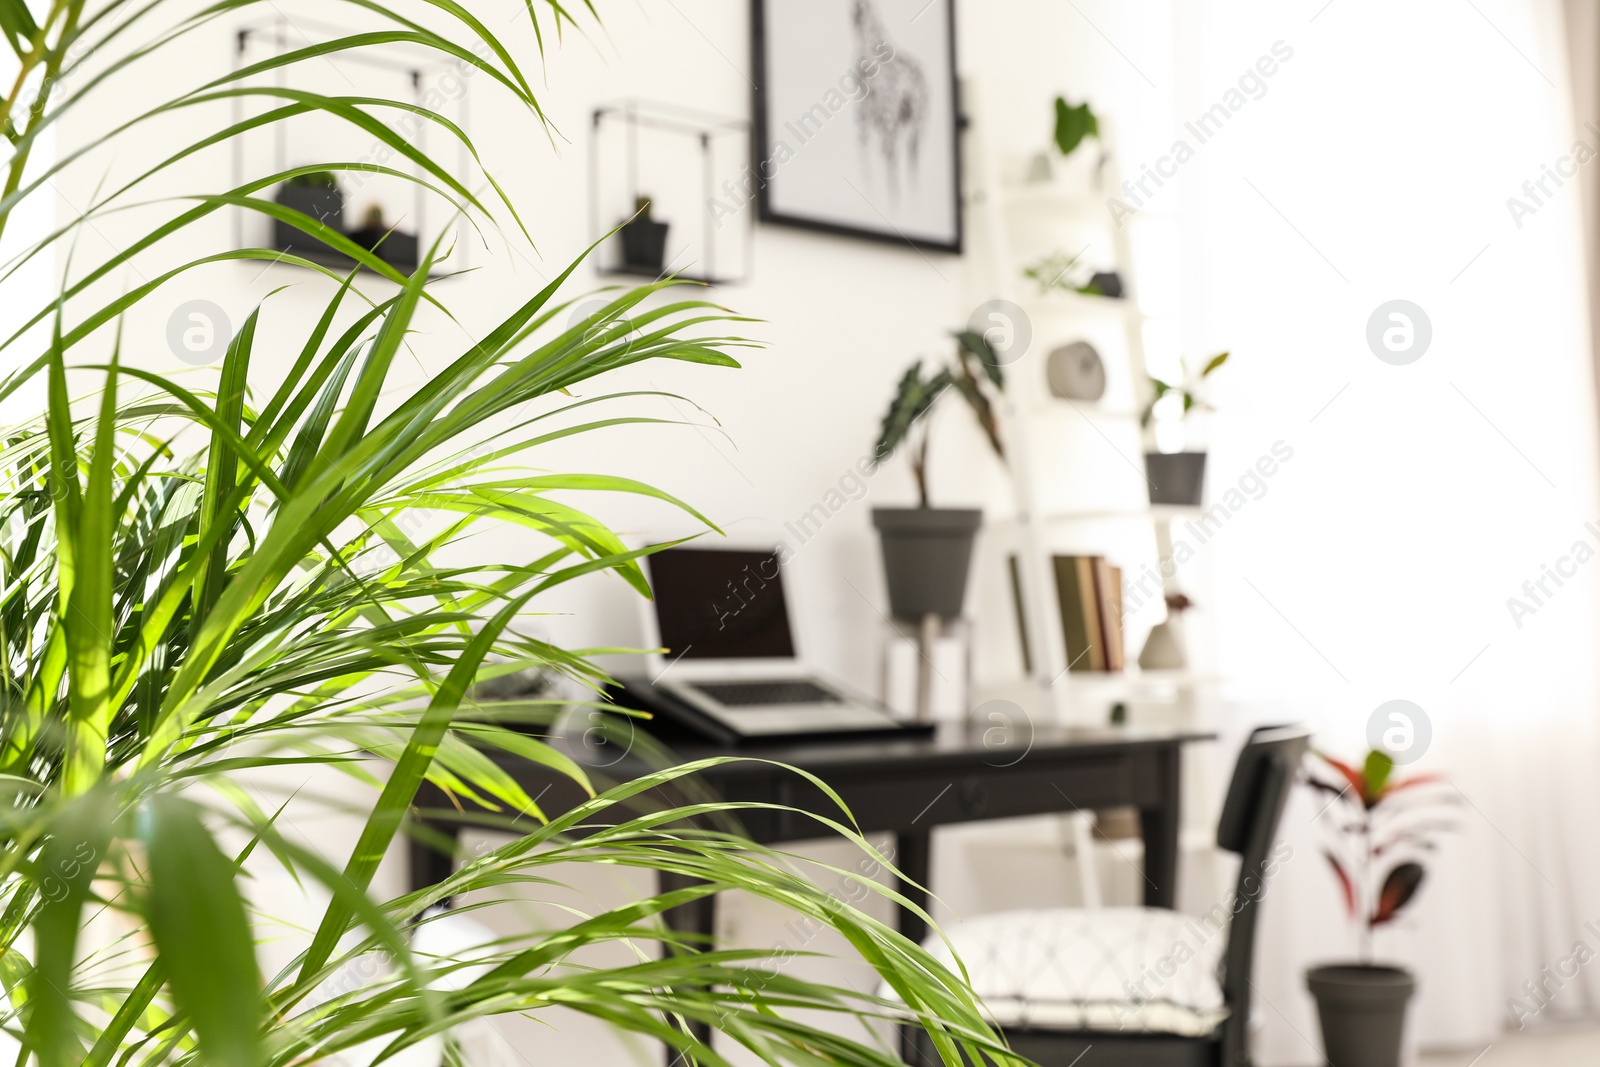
pixel 1138 987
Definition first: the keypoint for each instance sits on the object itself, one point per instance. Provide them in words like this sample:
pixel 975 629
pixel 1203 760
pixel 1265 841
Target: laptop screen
pixel 714 603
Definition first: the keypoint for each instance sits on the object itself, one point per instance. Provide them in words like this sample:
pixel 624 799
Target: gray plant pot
pixel 1362 1008
pixel 927 553
pixel 644 245
pixel 322 202
pixel 1176 477
pixel 394 247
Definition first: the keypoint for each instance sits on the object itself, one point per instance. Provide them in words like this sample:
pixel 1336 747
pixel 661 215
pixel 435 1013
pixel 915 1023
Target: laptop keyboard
pixel 755 694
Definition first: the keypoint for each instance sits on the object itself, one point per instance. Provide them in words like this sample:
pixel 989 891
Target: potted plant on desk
pixel 1175 472
pixel 927 551
pixel 1379 832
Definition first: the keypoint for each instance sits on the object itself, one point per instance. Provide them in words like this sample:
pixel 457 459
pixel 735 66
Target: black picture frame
pixel 762 123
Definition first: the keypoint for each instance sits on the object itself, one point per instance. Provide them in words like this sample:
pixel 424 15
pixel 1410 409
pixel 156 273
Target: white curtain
pixel 1380 163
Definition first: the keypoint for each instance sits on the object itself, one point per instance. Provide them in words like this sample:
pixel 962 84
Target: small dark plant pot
pixel 1107 283
pixel 392 246
pixel 644 245
pixel 321 202
pixel 1175 477
pixel 927 553
pixel 1362 1008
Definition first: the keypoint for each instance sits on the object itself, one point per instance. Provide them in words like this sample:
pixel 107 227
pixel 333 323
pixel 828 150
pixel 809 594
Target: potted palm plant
pixel 1176 472
pixel 927 551
pixel 1380 829
pixel 206 581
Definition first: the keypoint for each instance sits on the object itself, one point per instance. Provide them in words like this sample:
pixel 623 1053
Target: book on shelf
pixel 1108 593
pixel 1014 566
pixel 1089 597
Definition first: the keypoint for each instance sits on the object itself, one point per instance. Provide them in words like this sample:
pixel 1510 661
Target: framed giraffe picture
pixel 857 128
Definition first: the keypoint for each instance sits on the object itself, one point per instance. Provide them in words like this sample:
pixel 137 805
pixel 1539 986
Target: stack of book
pixel 1089 592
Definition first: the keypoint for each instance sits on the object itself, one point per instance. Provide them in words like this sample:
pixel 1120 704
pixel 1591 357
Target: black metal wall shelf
pixel 691 169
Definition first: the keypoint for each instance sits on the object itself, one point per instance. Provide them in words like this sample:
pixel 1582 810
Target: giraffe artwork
pixel 855 130
pixel 890 118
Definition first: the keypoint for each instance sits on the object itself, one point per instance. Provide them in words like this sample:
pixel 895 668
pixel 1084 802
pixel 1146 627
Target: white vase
pixel 1163 649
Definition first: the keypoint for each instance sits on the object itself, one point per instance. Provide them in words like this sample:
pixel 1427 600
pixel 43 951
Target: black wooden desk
pixel 907 787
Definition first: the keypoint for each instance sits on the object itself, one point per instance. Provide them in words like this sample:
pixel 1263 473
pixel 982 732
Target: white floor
pixel 1562 1048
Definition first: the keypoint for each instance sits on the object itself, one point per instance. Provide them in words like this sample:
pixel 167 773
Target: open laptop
pixel 723 618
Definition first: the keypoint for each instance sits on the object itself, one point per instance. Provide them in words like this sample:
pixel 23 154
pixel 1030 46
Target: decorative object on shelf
pixel 315 195
pixel 927 551
pixel 1040 169
pixel 1059 272
pixel 1163 648
pixel 392 245
pixel 1076 372
pixel 695 166
pixel 869 150
pixel 1176 475
pixel 644 240
pixel 1362 1006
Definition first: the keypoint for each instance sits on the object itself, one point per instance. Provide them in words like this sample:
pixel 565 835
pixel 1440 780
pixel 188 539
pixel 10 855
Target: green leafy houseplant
pixel 1379 827
pixel 1176 475
pixel 200 582
pixel 973 372
pixel 1060 271
pixel 1187 389
pixel 1073 124
pixel 1376 841
pixel 927 551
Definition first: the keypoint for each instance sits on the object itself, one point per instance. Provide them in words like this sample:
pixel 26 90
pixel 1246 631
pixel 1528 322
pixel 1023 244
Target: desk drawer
pixel 898 800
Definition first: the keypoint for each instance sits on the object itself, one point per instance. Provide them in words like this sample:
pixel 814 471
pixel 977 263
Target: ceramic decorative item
pixel 1075 372
pixel 1163 649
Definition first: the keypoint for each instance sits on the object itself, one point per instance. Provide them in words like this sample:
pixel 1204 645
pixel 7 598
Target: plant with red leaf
pixel 1381 827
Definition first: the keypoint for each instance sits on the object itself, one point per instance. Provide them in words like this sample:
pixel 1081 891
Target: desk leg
pixel 1159 824
pixel 913 853
pixel 696 917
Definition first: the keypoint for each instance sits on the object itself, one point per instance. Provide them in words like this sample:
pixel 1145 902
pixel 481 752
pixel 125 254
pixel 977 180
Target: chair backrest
pixel 1262 779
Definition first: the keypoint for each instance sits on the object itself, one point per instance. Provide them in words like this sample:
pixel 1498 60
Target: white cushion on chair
pixel 1131 969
